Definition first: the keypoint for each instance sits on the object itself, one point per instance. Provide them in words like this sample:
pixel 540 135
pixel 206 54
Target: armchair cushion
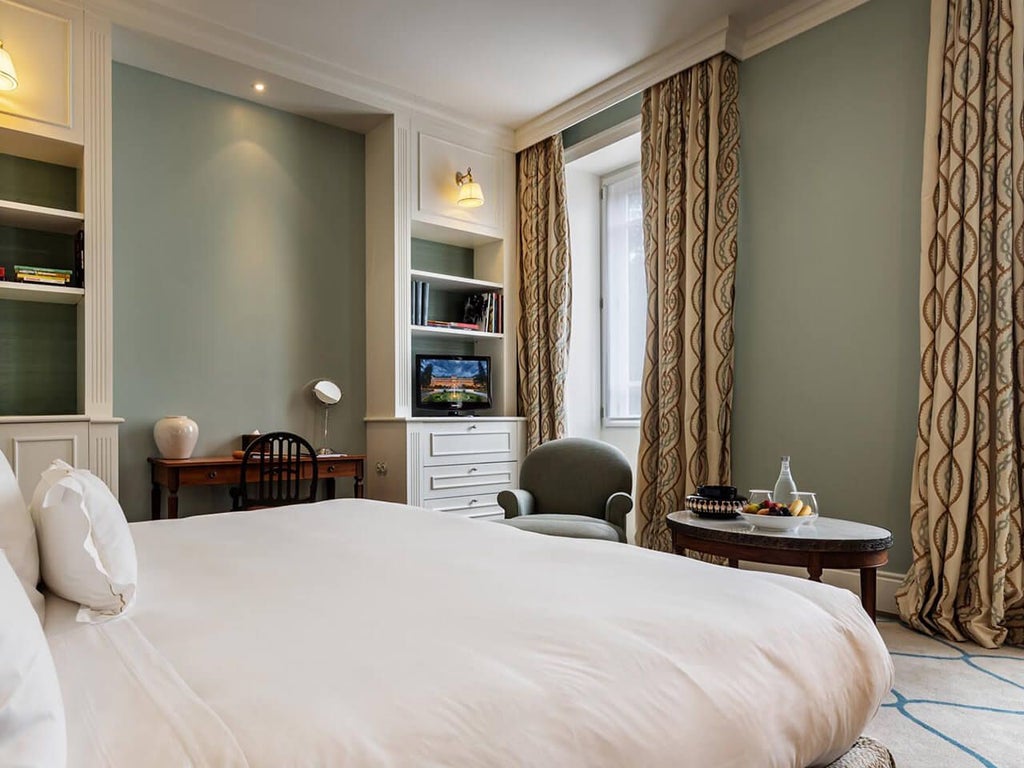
pixel 571 526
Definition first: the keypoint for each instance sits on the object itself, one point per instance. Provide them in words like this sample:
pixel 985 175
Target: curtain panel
pixel 967 575
pixel 690 171
pixel 545 290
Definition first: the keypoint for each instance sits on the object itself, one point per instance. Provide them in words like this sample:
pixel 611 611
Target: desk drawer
pixel 459 479
pixel 223 475
pixel 483 505
pixel 459 443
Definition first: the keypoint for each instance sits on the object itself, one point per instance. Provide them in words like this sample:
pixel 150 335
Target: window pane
pixel 625 294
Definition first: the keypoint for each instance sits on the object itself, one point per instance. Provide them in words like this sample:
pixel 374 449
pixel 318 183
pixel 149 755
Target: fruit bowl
pixel 777 523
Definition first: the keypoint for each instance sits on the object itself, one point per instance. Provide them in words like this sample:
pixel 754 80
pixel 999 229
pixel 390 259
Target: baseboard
pixel 888 581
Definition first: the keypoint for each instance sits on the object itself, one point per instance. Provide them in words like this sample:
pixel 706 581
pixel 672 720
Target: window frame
pixel 607 421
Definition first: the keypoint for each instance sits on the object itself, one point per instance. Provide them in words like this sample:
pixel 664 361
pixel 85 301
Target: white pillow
pixel 86 550
pixel 32 727
pixel 18 536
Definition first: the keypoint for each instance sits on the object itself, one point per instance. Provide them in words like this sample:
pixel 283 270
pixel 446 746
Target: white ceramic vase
pixel 176 436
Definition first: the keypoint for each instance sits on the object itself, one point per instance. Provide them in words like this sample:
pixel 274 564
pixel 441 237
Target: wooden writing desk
pixel 172 474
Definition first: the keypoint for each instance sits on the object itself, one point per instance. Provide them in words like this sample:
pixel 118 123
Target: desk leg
pixel 154 502
pixel 868 585
pixel 331 488
pixel 172 499
pixel 734 563
pixel 359 483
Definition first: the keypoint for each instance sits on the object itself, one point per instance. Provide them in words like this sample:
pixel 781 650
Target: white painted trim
pixel 722 36
pixel 196 32
pixel 709 41
pixel 17 442
pixel 888 581
pixel 603 139
pixel 790 21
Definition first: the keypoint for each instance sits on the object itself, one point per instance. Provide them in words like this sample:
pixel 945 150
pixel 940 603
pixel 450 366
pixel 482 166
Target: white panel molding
pixel 403 266
pixel 888 581
pixel 632 80
pixel 791 21
pixel 196 32
pixel 98 305
pixel 19 441
pixel 103 453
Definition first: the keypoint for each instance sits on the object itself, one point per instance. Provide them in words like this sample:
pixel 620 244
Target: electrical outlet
pixel 382 468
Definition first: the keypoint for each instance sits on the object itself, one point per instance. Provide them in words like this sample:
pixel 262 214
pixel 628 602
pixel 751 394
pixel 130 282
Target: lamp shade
pixel 8 75
pixel 470 195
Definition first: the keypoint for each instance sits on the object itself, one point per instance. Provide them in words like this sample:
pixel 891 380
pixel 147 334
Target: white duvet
pixel 357 633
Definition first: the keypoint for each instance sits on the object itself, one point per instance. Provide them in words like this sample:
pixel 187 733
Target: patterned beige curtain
pixel 545 291
pixel 690 167
pixel 967 576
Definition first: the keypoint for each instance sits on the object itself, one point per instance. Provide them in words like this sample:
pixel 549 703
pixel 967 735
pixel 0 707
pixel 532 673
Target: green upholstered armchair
pixel 572 487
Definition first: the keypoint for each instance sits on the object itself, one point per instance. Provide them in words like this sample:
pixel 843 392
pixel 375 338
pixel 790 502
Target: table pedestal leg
pixel 814 567
pixel 734 563
pixel 154 502
pixel 172 504
pixel 868 586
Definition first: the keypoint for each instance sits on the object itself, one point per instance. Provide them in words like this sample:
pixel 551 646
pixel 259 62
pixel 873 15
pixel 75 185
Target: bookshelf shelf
pixel 426 331
pixel 44 294
pixel 454 282
pixel 40 218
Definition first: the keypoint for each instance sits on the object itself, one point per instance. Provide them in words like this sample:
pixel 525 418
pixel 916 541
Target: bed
pixel 359 633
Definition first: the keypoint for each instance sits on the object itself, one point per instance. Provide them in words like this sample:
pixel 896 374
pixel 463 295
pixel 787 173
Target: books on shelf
pixel 420 302
pixel 487 311
pixel 453 324
pixel 43 275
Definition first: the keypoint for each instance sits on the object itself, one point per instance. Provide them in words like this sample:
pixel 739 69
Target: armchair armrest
pixel 617 507
pixel 516 503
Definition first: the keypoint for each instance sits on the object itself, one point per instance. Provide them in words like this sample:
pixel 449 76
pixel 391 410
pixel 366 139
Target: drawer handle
pixel 211 475
pixel 472 426
pixel 471 470
pixel 330 468
pixel 471 502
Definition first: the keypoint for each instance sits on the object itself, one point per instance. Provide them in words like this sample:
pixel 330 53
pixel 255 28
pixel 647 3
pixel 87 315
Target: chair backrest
pixel 575 476
pixel 274 467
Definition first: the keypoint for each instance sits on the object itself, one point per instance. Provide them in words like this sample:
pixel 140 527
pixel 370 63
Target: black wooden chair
pixel 272 472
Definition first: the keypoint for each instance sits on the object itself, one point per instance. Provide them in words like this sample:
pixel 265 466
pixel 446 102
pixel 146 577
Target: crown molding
pixel 193 31
pixel 790 21
pixel 667 62
pixel 725 35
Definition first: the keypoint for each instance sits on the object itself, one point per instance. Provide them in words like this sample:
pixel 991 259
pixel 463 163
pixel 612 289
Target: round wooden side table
pixel 825 543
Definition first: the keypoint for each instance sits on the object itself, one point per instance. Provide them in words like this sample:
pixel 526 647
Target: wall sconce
pixel 470 194
pixel 8 75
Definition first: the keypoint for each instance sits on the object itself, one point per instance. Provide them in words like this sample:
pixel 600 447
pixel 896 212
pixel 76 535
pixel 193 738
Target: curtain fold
pixel 545 290
pixel 967 575
pixel 690 170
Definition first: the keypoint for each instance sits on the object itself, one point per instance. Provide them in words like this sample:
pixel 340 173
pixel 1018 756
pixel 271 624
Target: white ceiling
pixel 501 61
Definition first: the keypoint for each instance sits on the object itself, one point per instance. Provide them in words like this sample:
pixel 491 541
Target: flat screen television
pixel 453 383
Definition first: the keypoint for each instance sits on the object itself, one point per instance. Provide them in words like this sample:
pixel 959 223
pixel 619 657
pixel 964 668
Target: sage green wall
pixel 832 126
pixel 238 273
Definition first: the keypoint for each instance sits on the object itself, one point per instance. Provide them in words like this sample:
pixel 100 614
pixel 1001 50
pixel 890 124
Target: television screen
pixel 453 383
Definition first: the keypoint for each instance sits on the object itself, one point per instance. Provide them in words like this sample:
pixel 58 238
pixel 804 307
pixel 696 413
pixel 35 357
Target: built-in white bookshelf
pixel 41 218
pixel 455 282
pixel 463 334
pixel 44 294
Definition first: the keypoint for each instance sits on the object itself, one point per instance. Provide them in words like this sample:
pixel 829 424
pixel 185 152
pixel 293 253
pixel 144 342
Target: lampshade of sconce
pixel 470 193
pixel 8 75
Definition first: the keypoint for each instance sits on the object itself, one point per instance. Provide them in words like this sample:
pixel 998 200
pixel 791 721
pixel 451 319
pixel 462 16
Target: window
pixel 624 297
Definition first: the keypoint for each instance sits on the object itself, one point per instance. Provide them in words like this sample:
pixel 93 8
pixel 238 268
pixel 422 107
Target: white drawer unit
pixel 456 464
pixel 458 479
pixel 470 440
pixel 482 506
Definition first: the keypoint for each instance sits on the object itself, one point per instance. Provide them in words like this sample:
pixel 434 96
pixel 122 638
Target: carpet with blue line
pixel 954 705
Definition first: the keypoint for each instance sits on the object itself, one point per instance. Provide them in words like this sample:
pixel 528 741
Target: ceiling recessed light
pixel 259 87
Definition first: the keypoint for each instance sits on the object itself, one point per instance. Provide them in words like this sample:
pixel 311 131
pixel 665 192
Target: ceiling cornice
pixel 667 62
pixel 722 36
pixel 195 32
pixel 788 22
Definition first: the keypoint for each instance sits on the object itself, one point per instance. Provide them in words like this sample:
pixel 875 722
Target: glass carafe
pixel 785 487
